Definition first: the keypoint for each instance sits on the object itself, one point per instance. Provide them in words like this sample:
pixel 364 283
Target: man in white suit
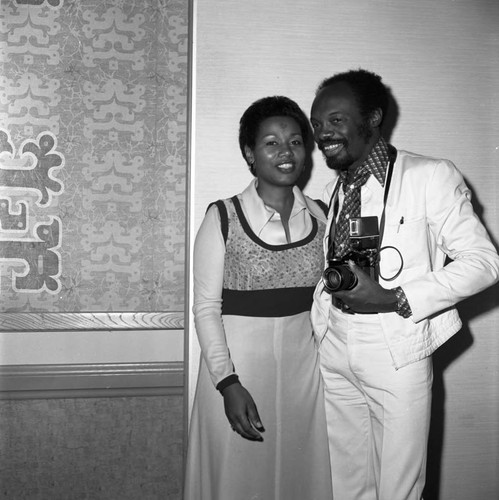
pixel 403 247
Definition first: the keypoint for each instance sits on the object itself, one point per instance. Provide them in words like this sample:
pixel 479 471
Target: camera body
pixel 364 241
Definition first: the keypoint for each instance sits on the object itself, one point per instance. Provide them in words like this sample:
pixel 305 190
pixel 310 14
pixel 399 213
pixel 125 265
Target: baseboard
pixel 91 380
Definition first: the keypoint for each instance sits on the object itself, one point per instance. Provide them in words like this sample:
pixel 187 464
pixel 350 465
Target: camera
pixel 364 242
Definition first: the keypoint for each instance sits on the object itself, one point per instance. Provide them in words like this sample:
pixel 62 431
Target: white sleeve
pixel 458 232
pixel 208 264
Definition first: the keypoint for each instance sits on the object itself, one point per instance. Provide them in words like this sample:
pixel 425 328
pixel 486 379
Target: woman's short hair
pixel 264 108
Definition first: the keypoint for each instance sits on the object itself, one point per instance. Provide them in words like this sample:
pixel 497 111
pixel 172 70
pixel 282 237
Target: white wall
pixel 145 346
pixel 440 59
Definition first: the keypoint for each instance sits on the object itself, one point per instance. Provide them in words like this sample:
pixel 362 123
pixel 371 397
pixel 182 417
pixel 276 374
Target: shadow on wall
pixel 444 357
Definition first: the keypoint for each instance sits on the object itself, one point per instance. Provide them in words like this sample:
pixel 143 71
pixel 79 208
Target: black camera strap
pixel 392 153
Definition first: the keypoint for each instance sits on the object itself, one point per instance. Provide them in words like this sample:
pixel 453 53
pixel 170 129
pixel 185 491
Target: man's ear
pixel 376 118
pixel 249 155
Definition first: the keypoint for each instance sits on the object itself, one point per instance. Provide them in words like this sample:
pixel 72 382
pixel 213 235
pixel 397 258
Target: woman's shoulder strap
pixel 224 218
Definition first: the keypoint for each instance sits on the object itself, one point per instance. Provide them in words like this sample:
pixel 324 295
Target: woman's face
pixel 279 154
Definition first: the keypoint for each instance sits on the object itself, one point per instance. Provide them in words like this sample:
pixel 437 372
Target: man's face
pixel 343 135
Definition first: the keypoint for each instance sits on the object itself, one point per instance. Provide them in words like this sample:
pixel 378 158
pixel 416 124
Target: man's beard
pixel 335 163
pixel 343 163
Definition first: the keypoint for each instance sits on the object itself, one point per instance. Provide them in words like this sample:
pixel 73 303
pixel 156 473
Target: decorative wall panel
pixel 93 109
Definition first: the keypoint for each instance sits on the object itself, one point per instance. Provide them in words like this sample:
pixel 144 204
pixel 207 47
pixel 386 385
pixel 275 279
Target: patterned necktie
pixel 351 208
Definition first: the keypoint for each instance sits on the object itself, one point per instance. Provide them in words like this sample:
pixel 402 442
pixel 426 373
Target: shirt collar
pixel 260 213
pixel 376 163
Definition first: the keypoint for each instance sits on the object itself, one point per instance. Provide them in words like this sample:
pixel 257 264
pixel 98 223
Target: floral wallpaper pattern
pixel 93 109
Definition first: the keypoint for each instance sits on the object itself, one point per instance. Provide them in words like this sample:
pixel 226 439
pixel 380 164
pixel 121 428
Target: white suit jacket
pixel 428 217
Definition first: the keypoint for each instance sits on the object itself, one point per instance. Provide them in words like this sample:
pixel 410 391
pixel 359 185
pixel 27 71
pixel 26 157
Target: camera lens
pixel 339 278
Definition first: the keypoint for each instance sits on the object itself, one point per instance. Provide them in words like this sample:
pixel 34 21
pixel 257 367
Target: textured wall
pixel 91 449
pixel 441 61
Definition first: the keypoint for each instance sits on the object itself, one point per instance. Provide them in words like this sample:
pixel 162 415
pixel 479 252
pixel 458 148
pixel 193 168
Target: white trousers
pixel 377 417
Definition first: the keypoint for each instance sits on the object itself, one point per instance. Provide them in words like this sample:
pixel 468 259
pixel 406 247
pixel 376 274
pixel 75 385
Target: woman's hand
pixel 242 413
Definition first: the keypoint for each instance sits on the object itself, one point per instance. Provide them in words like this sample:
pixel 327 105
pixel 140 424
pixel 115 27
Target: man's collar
pixel 378 159
pixel 376 163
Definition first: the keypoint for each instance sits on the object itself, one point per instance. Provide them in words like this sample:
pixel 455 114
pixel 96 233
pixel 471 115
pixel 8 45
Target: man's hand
pixel 367 296
pixel 242 413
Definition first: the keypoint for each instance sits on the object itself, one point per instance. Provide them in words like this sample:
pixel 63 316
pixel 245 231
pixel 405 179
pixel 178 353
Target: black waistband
pixel 273 303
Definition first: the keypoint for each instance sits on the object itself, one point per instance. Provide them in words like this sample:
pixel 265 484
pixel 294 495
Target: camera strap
pixel 392 152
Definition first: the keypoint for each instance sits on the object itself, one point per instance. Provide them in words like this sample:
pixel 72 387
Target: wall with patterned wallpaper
pixel 93 103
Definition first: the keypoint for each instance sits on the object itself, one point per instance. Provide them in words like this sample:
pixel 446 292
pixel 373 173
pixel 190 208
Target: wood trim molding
pixel 91 380
pixel 24 322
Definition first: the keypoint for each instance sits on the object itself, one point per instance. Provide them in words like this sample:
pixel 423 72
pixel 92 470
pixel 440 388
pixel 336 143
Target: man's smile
pixel 330 148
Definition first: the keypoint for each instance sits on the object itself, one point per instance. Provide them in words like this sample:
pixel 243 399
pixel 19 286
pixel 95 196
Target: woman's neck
pixel 281 199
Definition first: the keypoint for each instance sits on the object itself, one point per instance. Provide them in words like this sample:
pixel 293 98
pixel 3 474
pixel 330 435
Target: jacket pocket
pixel 405 246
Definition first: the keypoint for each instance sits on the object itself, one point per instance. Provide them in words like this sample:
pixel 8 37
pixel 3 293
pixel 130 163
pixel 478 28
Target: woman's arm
pixel 209 254
pixel 208 265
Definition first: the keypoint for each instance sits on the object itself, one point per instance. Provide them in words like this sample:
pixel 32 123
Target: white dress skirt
pixel 277 362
